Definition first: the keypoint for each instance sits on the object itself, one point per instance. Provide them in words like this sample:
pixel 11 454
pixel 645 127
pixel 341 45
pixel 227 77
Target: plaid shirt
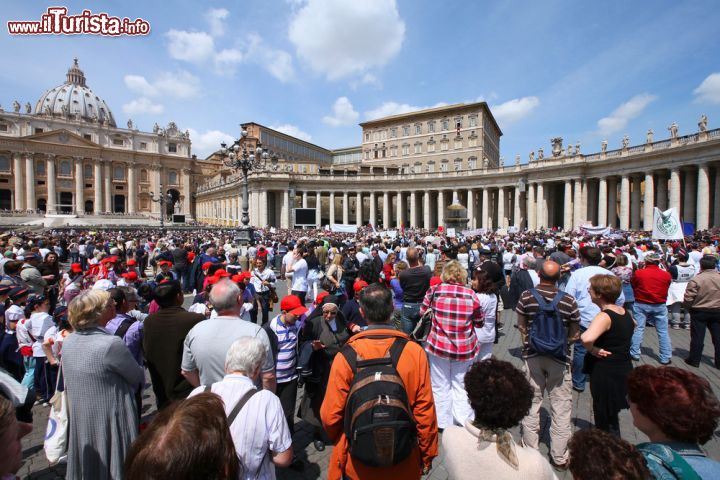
pixel 457 312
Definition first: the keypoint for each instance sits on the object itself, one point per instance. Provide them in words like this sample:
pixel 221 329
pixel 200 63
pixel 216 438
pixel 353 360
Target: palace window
pixel 431 126
pixel 173 178
pixel 406 131
pixel 3 127
pixel 431 166
pixel 458 164
pixel 473 121
pixel 40 167
pixel 444 166
pixel 118 173
pixel 143 146
pixel 65 169
pixel 118 141
pixel 418 129
pixel 88 171
pixel 172 147
pixel 458 143
pixel 431 146
pixel 367 136
pixel 143 175
pixel 418 147
pixel 472 163
pixel 406 149
pixel 38 130
pixel 383 135
pixel 87 136
pixel 4 163
pixel 445 125
pixel 472 141
pixel 444 145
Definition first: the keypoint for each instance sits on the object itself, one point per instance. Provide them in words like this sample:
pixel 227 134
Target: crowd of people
pixel 384 345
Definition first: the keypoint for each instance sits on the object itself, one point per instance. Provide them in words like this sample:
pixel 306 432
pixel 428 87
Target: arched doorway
pixel 66 202
pixel 119 204
pixel 89 206
pixel 170 205
pixel 42 205
pixel 5 199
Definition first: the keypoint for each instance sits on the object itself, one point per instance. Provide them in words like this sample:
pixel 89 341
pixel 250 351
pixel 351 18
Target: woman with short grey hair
pixel 257 423
pixel 100 376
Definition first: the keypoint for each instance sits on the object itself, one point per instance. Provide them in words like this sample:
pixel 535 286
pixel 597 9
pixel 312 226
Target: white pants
pixel 448 386
pixel 485 351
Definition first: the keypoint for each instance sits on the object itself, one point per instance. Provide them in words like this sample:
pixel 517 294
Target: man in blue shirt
pixel 578 286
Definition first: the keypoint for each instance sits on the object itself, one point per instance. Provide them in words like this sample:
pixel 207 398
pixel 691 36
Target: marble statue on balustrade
pixel 517 160
pixel 130 124
pixel 540 154
pixel 570 150
pixel 673 130
pixel 531 157
pixel 16 106
pixel 702 124
pixel 603 146
pixel 28 108
pixel 557 148
pixel 625 142
pixel 577 147
pixel 649 137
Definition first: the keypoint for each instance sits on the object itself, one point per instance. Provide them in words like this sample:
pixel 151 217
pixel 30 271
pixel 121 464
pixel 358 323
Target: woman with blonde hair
pixel 452 344
pixel 101 376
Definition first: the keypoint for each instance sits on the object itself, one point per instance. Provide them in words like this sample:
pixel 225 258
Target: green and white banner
pixel 666 225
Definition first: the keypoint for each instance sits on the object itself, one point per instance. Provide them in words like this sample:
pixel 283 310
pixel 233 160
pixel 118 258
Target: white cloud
pixel 341 38
pixel 277 62
pixel 181 84
pixel 514 110
pixel 620 117
pixel 709 89
pixel 293 131
pixel 343 113
pixel 193 47
pixel 143 106
pixel 226 60
pixel 203 144
pixel 216 18
pixel 366 79
pixel 393 108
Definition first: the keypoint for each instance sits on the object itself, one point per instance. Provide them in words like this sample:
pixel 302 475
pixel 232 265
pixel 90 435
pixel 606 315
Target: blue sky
pixel 586 71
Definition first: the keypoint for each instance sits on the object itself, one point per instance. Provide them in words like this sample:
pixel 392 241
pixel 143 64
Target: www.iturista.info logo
pixel 56 21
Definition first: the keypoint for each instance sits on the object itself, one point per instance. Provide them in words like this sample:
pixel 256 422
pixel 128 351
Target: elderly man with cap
pixel 31 275
pixel 651 285
pixel 283 332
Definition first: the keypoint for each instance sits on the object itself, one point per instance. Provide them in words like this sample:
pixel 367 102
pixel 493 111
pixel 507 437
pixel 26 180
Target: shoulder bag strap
pixel 240 405
pixel 396 350
pixel 539 298
pixel 350 357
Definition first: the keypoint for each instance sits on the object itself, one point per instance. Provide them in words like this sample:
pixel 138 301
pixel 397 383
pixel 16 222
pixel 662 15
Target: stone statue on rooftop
pixel 130 124
pixel 16 106
pixel 557 148
pixel 702 124
pixel 603 146
pixel 531 157
pixel 577 147
pixel 649 138
pixel 541 154
pixel 673 130
pixel 625 141
pixel 28 108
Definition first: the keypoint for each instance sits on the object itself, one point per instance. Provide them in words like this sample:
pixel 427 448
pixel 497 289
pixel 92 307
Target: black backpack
pixel 379 424
pixel 124 327
pixel 547 334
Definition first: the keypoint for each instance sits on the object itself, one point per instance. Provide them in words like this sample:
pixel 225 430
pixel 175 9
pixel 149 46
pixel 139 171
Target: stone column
pixel 612 202
pixel 79 187
pixel 345 209
pixel 584 202
pixel 441 208
pixel 602 202
pixel 577 203
pixel 30 201
pixel 318 209
pixel 662 190
pixel 51 184
pixel 635 204
pixel 426 210
pixel 97 184
pixel 501 208
pixel 625 203
pixel 541 206
pixel 332 208
pixel 472 221
pixel 517 212
pixel 284 211
pixel 108 188
pixel 648 201
pixel 19 193
pixel 187 191
pixel 703 198
pixel 373 210
pixel 688 213
pixel 387 210
pixel 716 201
pixel 568 207
pixel 305 199
pixel 132 190
pixel 486 209
pixel 675 190
pixel 400 210
pixel 531 208
pixel 413 209
pixel 358 209
pixel 263 208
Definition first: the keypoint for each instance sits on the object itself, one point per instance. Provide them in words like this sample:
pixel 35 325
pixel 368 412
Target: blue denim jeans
pixel 658 313
pixel 579 351
pixel 29 378
pixel 409 316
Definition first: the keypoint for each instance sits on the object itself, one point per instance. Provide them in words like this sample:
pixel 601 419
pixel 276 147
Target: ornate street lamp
pixel 244 158
pixel 162 199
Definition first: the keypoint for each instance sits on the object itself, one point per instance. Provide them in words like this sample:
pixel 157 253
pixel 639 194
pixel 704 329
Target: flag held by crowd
pixel 666 225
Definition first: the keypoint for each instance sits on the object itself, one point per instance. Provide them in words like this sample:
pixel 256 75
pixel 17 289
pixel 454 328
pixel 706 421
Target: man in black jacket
pixel 164 335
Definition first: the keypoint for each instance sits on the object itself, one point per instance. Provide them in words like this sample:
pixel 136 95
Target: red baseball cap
pixel 132 262
pixel 164 262
pixel 237 278
pixel 245 275
pixel 132 276
pixel 359 285
pixel 320 297
pixel 221 273
pixel 292 304
pixel 75 268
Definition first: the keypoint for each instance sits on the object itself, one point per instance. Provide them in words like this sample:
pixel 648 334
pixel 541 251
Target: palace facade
pixel 66 155
pixel 409 168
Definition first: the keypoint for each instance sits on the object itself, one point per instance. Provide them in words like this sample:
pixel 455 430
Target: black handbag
pixel 422 329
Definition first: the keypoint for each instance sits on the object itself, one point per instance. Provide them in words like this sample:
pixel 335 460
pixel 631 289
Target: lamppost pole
pixel 246 160
pixel 162 199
